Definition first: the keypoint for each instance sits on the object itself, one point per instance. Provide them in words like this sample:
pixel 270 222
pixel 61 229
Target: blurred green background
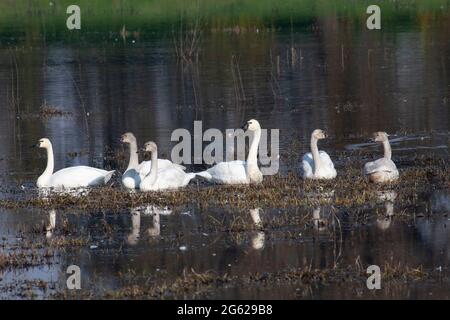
pixel 44 20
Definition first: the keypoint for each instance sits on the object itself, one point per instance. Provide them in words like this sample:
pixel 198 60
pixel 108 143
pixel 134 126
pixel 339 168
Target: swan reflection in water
pixel 388 197
pixel 320 223
pixel 51 225
pixel 154 230
pixel 258 239
pixel 322 214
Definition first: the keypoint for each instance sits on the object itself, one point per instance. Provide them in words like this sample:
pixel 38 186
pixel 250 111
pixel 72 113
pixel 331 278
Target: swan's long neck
pixel 50 165
pixel 387 149
pixel 252 158
pixel 315 153
pixel 134 157
pixel 154 168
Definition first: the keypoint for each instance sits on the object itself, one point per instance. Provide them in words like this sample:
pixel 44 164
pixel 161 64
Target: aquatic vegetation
pixel 192 284
pixel 48 111
pixel 24 259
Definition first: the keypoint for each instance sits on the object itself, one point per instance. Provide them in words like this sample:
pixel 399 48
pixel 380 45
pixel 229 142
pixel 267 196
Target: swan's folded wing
pixel 145 166
pixel 172 177
pixel 380 165
pixel 165 163
pixel 231 172
pixel 325 158
pixel 80 176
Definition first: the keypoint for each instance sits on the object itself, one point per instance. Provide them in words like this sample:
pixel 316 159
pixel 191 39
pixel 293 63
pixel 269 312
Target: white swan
pixel 383 169
pixel 170 177
pixel 72 177
pixel 317 164
pixel 135 171
pixel 238 171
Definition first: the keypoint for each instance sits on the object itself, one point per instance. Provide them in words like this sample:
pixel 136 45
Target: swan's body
pixel 132 177
pixel 317 164
pixel 384 169
pixel 136 171
pixel 75 177
pixel 171 177
pixel 238 171
pixel 168 178
pixel 231 172
pixel 72 177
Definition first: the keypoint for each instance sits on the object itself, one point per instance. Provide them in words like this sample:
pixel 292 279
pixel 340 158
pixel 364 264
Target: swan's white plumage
pixel 132 177
pixel 382 164
pixel 327 170
pixel 232 172
pixel 381 170
pixel 77 177
pixel 167 178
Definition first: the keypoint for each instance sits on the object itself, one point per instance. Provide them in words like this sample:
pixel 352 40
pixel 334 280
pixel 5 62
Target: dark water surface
pixel 147 243
pixel 348 83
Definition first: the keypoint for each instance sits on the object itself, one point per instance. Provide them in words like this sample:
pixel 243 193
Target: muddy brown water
pixel 397 82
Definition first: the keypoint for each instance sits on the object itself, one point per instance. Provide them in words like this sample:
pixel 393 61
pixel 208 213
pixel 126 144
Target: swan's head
pixel 380 136
pixel 319 134
pixel 43 143
pixel 128 138
pixel 150 147
pixel 252 125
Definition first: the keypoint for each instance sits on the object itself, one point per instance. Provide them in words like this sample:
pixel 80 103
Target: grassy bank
pixel 46 19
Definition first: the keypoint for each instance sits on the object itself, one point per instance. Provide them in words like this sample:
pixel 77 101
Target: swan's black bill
pixel 245 127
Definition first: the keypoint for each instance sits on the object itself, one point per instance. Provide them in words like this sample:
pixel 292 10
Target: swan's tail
pixel 109 175
pixel 179 166
pixel 205 175
pixel 189 177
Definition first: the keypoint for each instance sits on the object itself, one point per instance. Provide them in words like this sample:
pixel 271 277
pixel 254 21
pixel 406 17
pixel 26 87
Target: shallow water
pixel 145 243
pixel 349 85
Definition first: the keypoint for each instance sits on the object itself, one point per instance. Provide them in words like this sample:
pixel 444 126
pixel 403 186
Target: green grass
pixel 46 19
